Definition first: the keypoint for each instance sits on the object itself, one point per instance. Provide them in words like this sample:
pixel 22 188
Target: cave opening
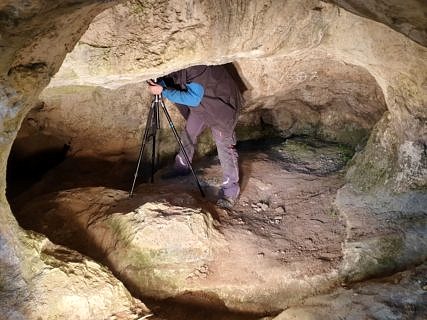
pixel 308 130
pixel 71 165
pixel 72 162
pixel 333 178
pixel 319 100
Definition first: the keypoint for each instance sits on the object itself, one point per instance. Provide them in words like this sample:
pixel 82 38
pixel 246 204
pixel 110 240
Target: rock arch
pixel 392 168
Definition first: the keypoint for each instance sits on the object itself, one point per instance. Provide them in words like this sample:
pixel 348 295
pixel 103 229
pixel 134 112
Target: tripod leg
pixel 144 141
pixel 178 139
pixel 157 158
pixel 154 126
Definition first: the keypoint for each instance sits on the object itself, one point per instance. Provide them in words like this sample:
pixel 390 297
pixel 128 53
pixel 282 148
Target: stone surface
pixel 185 33
pixel 383 233
pixel 328 49
pixel 93 122
pixel 407 17
pixel 153 246
pixel 313 156
pixel 167 242
pixel 164 242
pixel 402 296
pixel 37 35
pixel 406 100
pixel 317 97
pixel 65 284
pixel 35 39
pixel 307 95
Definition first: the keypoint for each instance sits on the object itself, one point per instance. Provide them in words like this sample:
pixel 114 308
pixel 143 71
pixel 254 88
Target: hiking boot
pixel 175 173
pixel 226 202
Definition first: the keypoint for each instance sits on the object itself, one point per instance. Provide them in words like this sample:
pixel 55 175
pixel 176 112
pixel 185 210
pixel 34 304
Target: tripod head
pixel 152 82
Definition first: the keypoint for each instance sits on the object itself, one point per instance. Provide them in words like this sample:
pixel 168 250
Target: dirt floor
pixel 286 203
pixel 285 216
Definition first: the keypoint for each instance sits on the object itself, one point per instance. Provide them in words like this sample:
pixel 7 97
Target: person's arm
pixel 190 97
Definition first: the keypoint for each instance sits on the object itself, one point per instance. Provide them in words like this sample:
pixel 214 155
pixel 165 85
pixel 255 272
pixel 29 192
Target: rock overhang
pixel 400 73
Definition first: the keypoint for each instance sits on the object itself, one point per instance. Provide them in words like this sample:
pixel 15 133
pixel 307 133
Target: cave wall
pixel 407 17
pixel 192 32
pixel 401 78
pixel 34 272
pixel 318 97
pixel 36 37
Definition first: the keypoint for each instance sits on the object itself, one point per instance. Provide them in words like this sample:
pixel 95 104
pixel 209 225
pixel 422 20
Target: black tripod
pixel 151 127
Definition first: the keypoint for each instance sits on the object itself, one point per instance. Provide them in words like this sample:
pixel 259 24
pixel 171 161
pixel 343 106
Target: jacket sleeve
pixel 190 97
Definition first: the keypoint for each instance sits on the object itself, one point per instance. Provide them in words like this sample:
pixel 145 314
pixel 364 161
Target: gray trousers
pixel 225 141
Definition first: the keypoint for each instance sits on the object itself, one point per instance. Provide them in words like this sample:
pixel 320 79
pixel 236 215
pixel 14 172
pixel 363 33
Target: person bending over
pixel 207 97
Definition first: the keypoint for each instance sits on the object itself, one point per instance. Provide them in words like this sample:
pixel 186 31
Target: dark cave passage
pixel 22 172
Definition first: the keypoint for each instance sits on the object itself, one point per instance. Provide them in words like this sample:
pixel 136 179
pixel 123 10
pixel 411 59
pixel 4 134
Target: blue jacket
pixel 208 90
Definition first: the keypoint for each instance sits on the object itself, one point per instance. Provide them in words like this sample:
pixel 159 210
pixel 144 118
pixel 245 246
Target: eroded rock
pixel 312 94
pixel 67 285
pixel 154 245
pixel 384 234
pixel 294 71
pixel 167 242
pixel 317 97
pixel 401 296
pixel 36 37
pixel 408 17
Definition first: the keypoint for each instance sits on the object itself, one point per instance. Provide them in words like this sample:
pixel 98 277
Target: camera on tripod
pixel 151 129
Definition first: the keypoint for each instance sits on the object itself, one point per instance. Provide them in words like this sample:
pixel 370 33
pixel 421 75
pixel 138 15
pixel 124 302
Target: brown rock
pixel 37 36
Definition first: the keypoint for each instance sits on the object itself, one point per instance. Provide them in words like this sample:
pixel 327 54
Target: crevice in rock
pixel 26 171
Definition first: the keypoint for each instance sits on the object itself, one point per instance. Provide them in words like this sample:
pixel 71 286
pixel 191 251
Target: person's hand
pixel 154 88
